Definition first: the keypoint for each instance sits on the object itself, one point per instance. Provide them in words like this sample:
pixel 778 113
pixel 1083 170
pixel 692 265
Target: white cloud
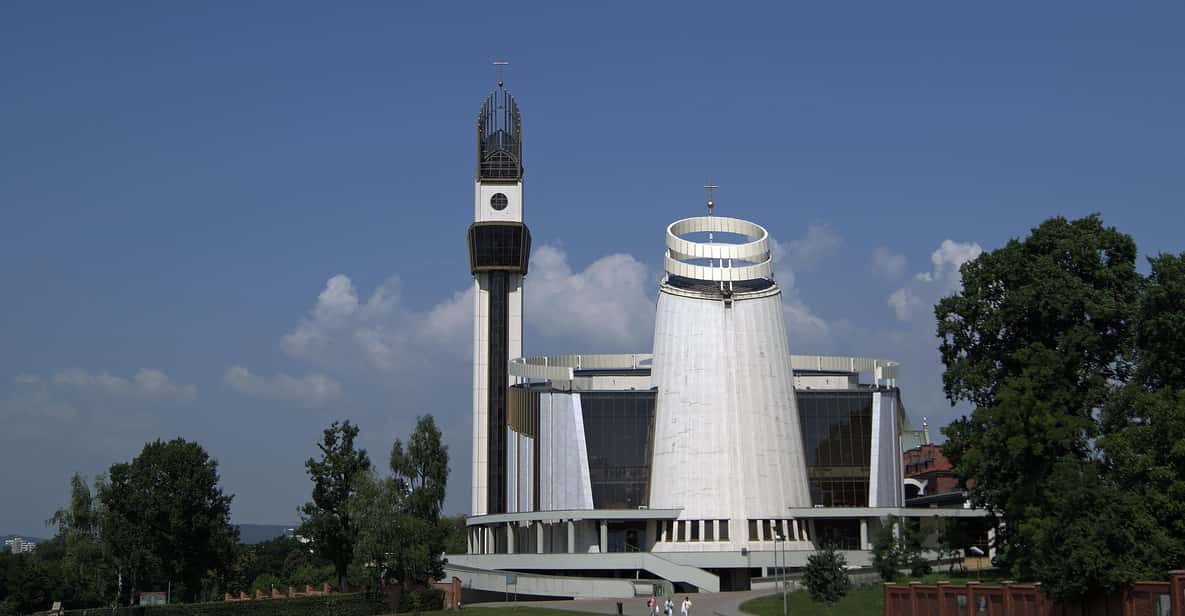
pixel 805 254
pixel 804 328
pixel 606 306
pixel 888 264
pixel 312 389
pixel 146 384
pixel 919 294
pixel 25 378
pixel 381 333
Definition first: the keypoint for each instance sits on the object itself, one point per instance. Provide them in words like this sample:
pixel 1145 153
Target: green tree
pixel 885 558
pixel 826 576
pixel 1035 341
pixel 1144 424
pixel 1093 535
pixel 30 583
pixel 326 520
pixel 85 565
pixel 953 539
pixel 898 545
pixel 455 534
pixel 401 535
pixel 164 514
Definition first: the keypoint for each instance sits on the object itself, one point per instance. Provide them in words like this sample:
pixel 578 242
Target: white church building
pixel 712 460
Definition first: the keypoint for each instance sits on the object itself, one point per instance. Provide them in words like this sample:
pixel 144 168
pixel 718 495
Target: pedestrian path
pixel 703 604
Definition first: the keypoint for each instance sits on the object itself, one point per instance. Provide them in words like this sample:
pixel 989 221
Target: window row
pixel 680 531
pixel 772 530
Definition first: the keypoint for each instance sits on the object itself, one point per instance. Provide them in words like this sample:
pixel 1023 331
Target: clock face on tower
pixel 499 201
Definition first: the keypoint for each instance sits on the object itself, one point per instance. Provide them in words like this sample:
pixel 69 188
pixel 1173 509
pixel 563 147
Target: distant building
pixel 19 545
pixel 929 477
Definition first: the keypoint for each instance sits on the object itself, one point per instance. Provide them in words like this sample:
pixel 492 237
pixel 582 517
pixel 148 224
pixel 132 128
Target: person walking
pixel 668 607
pixel 650 606
pixel 685 609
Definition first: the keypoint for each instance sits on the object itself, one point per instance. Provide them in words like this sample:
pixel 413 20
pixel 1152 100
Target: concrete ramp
pixel 488 572
pixel 567 587
pixel 703 580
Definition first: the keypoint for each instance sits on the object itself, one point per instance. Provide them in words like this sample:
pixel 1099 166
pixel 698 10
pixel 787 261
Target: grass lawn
pixel 860 601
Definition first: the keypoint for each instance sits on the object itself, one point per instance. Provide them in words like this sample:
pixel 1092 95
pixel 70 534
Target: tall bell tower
pixel 499 246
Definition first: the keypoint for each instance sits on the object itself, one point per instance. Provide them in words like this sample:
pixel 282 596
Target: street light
pixel 975 549
pixel 781 572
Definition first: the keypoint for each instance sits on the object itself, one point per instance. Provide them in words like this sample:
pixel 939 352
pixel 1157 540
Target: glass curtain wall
pixel 837 444
pixel 618 429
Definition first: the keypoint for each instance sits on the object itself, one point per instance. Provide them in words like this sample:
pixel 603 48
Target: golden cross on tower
pixel 500 64
pixel 710 187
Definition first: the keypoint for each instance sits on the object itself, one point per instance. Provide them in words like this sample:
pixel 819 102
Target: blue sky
pixel 236 222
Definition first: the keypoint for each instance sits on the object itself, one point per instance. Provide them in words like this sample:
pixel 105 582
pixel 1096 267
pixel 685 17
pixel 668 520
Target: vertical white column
pixel 538 537
pixel 604 537
pixel 864 534
pixel 510 537
pixel 571 537
pixel 514 310
pixel 794 524
pixel 480 391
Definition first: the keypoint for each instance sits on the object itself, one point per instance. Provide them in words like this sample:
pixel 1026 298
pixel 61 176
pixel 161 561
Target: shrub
pixel 353 604
pixel 826 576
pixel 886 553
pixel 421 599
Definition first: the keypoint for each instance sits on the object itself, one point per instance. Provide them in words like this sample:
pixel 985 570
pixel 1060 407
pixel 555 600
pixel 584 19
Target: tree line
pixel 1074 362
pixel 161 522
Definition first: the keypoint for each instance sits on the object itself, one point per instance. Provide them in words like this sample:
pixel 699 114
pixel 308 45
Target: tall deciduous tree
pixel 1144 425
pixel 1036 340
pixel 164 512
pixel 84 567
pixel 401 533
pixel 327 519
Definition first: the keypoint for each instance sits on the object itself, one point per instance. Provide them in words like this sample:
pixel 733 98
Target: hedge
pixel 351 604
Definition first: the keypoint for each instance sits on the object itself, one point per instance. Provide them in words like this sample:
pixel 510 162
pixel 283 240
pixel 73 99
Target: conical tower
pixel 727 442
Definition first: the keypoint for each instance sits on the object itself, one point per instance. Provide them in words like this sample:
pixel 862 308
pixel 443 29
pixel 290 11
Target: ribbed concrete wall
pixel 727 443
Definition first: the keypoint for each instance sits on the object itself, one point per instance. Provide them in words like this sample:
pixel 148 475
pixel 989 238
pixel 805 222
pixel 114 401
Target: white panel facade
pixel 727 443
pixel 481 362
pixel 526 472
pixel 563 456
pixel 514 313
pixel 885 480
pixel 511 471
pixel 484 212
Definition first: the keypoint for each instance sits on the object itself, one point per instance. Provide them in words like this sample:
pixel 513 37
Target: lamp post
pixel 781 572
pixel 978 552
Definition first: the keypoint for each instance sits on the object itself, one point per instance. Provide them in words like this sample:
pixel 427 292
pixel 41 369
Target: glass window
pixel 724 530
pixel 709 530
pixel 679 528
pixel 694 529
pixel 752 530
